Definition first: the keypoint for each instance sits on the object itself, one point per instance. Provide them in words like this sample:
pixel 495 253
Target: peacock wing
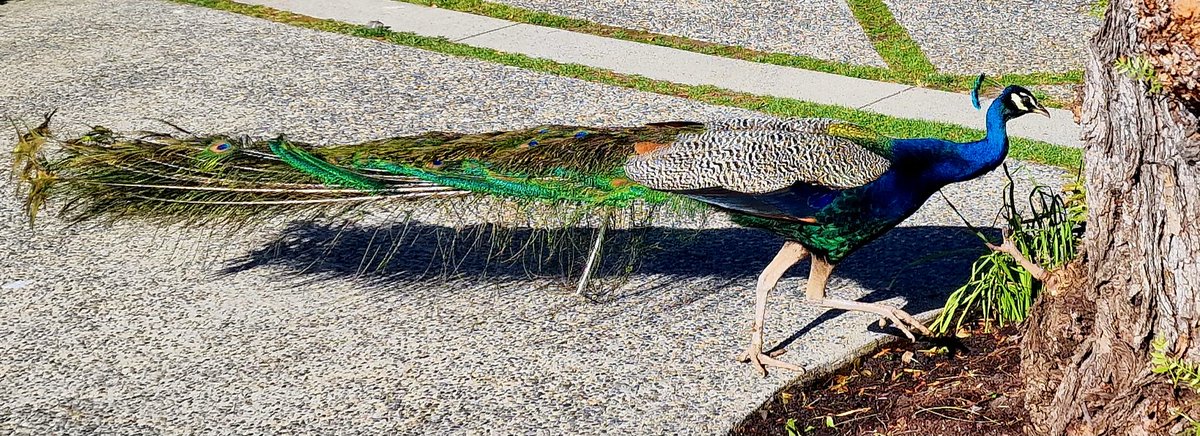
pixel 763 155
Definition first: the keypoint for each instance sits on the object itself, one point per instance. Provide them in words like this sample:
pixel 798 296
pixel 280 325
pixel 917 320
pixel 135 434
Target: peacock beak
pixel 1041 110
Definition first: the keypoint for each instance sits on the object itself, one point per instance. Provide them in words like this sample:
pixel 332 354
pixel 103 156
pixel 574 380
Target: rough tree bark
pixel 1086 353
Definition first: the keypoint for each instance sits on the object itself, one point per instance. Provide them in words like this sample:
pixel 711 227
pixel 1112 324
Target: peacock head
pixel 1017 101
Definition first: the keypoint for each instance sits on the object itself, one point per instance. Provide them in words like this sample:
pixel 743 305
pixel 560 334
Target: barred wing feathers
pixel 759 156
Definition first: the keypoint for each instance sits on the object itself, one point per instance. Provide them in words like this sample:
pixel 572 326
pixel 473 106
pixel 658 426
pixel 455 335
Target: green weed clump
pixel 1181 373
pixel 1140 69
pixel 1000 290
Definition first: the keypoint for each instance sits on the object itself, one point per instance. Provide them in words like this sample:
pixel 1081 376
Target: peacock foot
pixel 899 318
pixel 755 356
pixel 902 321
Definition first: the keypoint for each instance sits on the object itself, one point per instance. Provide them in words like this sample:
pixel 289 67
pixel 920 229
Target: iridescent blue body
pixel 833 223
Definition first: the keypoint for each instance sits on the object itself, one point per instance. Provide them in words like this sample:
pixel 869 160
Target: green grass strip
pixel 890 39
pixel 893 38
pixel 1020 148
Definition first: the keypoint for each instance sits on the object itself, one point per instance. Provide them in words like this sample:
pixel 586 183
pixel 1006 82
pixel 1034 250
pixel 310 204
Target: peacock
pixel 827 186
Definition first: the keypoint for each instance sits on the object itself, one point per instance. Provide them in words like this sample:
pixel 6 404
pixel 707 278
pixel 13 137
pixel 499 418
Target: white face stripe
pixel 1018 102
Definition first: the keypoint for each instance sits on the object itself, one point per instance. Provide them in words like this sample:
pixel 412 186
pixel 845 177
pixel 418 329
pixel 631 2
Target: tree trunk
pixel 1086 353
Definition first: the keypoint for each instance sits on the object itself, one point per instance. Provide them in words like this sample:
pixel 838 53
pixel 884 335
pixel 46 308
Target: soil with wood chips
pixel 966 385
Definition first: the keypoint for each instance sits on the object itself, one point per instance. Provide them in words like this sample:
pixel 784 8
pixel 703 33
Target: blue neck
pixel 940 162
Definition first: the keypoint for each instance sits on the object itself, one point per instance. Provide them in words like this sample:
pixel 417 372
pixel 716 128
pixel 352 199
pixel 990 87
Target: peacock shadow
pixel 922 264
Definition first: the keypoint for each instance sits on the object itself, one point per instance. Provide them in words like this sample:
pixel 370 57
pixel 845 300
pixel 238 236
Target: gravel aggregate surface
pixel 995 37
pixel 135 328
pixel 824 29
pixel 1067 93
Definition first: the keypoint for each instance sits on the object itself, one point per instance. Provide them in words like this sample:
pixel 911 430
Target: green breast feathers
pixel 760 155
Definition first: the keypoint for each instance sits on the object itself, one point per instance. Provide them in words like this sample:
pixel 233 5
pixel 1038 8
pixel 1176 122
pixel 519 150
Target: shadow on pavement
pixel 921 263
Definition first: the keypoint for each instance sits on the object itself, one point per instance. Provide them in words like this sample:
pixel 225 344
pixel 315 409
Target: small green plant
pixel 793 427
pixel 1098 9
pixel 1076 200
pixel 1138 68
pixel 790 427
pixel 1000 290
pixel 1180 372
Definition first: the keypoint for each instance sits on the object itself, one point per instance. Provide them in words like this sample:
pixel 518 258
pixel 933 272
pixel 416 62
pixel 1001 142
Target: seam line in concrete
pixel 885 97
pixel 486 32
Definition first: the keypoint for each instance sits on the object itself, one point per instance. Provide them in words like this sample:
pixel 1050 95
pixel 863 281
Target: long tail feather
pixel 104 175
pixel 29 166
pixel 321 170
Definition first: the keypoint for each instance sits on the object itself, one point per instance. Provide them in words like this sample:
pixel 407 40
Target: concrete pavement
pixel 140 328
pixel 679 66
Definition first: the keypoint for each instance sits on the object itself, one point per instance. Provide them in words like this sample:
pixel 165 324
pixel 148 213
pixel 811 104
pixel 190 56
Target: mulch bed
pixel 957 386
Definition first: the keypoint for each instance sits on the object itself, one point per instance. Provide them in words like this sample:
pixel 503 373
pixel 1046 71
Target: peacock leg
pixel 791 253
pixel 594 256
pixel 818 278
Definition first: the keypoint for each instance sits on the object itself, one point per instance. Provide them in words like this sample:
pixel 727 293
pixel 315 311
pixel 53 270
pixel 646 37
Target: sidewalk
pixel 680 66
pixel 138 328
